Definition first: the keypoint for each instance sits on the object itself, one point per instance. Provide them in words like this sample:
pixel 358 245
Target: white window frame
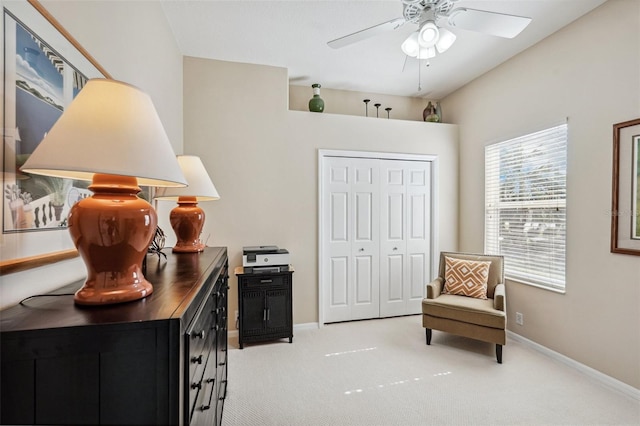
pixel 528 229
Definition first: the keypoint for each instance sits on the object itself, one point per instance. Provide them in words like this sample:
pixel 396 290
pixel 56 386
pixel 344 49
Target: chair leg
pixel 499 353
pixel 428 330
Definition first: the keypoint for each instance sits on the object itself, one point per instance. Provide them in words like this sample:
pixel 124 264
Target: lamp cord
pixel 44 295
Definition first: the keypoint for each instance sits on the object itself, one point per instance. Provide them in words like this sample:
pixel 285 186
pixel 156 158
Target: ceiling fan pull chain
pixel 419 79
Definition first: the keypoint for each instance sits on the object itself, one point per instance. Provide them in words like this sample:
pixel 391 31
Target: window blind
pixel 525 206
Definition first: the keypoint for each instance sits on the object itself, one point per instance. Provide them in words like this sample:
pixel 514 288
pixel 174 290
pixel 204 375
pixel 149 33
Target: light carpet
pixel 381 372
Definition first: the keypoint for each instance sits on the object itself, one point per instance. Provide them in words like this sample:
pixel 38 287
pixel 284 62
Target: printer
pixel 264 259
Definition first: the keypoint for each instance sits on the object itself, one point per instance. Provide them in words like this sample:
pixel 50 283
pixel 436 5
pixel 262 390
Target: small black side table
pixel 264 306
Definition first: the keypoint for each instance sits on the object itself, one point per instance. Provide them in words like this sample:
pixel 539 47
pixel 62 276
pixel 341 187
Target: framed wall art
pixel 44 68
pixel 625 205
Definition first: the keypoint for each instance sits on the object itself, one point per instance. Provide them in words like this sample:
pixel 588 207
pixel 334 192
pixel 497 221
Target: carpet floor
pixel 381 372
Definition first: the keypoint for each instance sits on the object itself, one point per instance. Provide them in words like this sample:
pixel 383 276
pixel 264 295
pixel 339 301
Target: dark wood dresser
pixel 156 361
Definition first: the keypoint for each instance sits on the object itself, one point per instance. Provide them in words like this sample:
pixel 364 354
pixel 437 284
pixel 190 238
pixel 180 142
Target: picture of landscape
pixel 636 187
pixel 44 84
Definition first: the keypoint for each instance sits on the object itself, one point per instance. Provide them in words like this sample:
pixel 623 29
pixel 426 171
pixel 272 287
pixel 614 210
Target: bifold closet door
pixel 351 227
pixel 405 237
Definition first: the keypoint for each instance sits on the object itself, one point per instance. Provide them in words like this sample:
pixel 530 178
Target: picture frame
pixel 625 193
pixel 29 31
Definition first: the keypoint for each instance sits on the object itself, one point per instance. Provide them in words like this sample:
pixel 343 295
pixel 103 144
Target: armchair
pixel 472 316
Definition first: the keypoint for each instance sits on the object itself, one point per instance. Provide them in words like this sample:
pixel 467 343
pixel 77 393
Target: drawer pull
pixel 208 406
pixel 200 334
pixel 266 281
pixel 196 359
pixel 224 395
pixel 222 364
pixel 195 385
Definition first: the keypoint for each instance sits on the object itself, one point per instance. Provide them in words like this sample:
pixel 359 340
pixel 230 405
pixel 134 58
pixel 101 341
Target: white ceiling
pixel 294 35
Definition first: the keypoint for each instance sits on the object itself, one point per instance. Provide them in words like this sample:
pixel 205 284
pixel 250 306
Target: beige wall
pixel 132 40
pixel 134 43
pixel 350 103
pixel 263 160
pixel 590 73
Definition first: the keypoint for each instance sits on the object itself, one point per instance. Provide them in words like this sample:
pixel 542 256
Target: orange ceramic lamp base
pixel 187 220
pixel 112 231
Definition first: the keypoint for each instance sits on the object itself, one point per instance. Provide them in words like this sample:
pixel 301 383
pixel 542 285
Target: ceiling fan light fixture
pixel 427 53
pixel 429 34
pixel 410 46
pixel 446 40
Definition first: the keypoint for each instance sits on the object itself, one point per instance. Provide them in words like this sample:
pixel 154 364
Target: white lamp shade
pixel 428 35
pixel 427 53
pixel 445 41
pixel 410 46
pixel 200 184
pixel 110 128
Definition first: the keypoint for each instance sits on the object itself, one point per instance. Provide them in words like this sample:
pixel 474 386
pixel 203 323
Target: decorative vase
pixel 429 114
pixel 316 104
pixel 17 214
pixel 439 112
pixel 29 218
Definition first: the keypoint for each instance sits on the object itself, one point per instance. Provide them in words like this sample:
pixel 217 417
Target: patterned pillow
pixel 466 277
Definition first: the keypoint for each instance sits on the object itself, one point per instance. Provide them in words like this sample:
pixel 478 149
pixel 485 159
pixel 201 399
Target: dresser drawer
pixel 266 279
pixel 202 406
pixel 199 351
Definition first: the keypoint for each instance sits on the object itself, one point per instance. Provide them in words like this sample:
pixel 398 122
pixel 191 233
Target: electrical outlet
pixel 519 318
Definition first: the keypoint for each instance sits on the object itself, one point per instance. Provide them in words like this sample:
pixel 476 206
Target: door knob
pixel 395 248
pixel 361 249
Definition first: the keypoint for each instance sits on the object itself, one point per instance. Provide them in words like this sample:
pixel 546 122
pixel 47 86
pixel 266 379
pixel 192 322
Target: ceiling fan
pixel 431 37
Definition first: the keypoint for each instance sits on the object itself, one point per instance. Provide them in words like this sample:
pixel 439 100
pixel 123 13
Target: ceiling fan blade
pixel 497 24
pixel 366 33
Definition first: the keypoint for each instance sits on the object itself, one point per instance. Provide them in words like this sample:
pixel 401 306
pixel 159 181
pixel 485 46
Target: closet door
pixel 405 236
pixel 351 239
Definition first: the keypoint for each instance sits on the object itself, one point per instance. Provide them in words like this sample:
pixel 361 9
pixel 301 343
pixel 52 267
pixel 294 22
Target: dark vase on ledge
pixel 316 104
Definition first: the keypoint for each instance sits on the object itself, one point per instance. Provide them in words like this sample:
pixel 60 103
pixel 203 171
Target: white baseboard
pixel 607 381
pixel 296 327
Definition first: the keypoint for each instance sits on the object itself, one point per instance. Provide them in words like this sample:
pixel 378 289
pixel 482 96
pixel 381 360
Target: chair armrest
pixel 434 288
pixel 499 299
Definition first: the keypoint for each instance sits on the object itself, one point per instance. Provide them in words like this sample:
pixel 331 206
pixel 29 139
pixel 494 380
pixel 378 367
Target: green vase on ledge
pixel 316 104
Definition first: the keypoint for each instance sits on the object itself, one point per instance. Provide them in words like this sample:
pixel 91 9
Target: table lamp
pixel 110 134
pixel 187 218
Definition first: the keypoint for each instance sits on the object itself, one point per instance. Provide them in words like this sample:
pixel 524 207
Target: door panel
pixel 364 215
pixel 395 217
pixel 277 310
pixel 365 280
pixel 339 217
pixel 336 237
pixel 418 234
pixel 393 241
pixel 339 279
pixel 417 278
pixel 253 312
pixel 395 277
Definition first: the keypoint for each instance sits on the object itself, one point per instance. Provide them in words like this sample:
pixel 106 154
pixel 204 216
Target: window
pixel 525 206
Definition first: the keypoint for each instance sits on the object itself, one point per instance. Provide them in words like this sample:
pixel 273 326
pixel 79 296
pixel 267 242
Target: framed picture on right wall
pixel 625 196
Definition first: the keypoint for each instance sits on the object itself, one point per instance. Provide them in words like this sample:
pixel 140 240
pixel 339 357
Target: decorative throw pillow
pixel 466 277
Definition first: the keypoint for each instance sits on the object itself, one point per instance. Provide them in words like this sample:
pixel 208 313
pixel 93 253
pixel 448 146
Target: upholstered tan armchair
pixel 468 299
